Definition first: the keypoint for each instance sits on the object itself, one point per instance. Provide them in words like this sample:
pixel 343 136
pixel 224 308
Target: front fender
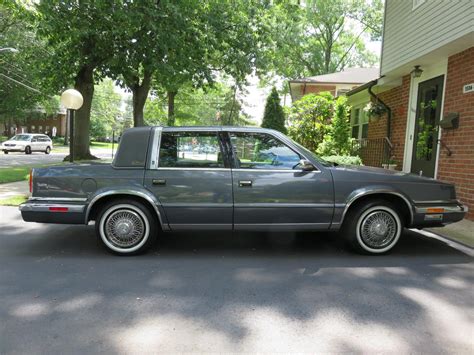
pixel 124 191
pixel 342 207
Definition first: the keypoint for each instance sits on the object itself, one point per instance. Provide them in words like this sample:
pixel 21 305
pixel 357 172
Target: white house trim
pixel 430 72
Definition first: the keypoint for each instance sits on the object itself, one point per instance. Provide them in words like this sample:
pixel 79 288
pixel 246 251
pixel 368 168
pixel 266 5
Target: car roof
pixel 216 128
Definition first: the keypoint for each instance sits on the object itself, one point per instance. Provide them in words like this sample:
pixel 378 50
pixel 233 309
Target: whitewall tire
pixel 126 227
pixel 374 227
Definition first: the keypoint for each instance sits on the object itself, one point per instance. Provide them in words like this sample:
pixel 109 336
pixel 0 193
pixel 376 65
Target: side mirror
pixel 306 165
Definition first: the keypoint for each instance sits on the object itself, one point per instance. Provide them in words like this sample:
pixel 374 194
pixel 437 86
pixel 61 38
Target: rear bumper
pixel 59 213
pixel 438 215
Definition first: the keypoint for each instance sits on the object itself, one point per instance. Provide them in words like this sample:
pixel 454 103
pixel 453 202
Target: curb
pixel 450 239
pixel 452 243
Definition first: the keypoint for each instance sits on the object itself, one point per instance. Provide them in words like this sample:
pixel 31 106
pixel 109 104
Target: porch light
pixel 417 71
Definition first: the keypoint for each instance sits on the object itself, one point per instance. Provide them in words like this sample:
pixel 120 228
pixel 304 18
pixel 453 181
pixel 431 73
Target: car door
pixel 192 180
pixel 35 144
pixel 272 191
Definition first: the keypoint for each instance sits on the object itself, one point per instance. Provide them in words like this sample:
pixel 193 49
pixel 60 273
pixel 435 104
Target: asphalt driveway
pixel 209 292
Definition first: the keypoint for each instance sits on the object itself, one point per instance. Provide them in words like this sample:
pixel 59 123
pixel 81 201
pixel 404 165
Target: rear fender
pixel 124 191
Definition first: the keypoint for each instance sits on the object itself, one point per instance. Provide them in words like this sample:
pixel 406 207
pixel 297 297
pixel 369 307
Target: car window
pixel 190 150
pixel 21 137
pixel 263 151
pixel 34 139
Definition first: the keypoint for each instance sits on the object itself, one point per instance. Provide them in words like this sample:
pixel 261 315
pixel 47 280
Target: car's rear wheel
pixel 126 227
pixel 27 149
pixel 48 150
pixel 374 227
pixel 5 152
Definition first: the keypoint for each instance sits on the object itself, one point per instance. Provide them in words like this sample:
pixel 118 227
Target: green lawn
pixel 14 174
pixel 103 145
pixel 13 200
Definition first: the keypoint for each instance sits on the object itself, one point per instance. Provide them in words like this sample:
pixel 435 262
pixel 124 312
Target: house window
pixel 359 123
pixel 417 3
pixel 342 92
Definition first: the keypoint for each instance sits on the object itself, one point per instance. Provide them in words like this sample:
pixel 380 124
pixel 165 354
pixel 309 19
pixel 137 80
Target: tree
pixel 274 116
pixel 22 95
pixel 323 36
pixel 309 119
pixel 78 33
pixel 214 105
pixel 105 109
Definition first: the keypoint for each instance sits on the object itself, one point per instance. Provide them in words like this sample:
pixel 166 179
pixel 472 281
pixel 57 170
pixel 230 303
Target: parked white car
pixel 28 143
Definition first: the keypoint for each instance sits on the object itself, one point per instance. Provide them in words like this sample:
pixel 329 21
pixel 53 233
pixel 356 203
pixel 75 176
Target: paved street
pixel 60 293
pixel 21 159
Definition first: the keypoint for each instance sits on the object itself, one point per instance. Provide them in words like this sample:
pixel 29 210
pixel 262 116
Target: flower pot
pixel 385 166
pixel 392 166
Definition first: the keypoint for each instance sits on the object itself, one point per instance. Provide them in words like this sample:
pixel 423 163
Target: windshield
pixel 21 137
pixel 312 155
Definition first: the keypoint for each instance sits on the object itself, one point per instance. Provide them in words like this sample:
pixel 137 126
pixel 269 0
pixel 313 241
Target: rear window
pixel 190 150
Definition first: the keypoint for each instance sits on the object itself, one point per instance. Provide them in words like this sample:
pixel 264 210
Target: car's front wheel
pixel 27 149
pixel 48 150
pixel 126 227
pixel 373 227
pixel 5 152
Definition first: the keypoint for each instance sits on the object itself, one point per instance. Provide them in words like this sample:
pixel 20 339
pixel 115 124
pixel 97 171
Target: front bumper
pixel 13 149
pixel 52 212
pixel 433 215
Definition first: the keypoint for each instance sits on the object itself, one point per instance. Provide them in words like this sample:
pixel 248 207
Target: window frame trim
pixel 234 155
pixel 361 122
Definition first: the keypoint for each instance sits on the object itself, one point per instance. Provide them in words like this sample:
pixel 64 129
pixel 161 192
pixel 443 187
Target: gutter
pixel 368 86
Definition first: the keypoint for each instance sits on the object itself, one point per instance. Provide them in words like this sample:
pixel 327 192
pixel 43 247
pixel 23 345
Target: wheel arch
pixel 103 197
pixel 395 197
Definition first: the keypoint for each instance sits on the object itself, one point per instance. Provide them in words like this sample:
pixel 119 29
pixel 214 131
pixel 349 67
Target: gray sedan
pixel 246 179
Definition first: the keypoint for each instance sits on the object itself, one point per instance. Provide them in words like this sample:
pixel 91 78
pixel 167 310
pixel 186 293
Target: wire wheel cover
pixel 378 229
pixel 124 228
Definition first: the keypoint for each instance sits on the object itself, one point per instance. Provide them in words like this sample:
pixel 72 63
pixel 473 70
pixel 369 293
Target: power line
pixel 22 84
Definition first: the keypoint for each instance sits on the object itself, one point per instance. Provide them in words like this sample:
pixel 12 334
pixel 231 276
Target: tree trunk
pixel 140 94
pixel 85 85
pixel 66 136
pixel 171 117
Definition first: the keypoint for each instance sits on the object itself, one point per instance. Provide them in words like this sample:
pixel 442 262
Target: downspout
pixel 389 111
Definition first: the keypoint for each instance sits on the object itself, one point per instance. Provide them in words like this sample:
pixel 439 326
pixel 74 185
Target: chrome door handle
pixel 158 182
pixel 245 183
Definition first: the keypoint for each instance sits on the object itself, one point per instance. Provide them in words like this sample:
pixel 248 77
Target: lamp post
pixel 72 100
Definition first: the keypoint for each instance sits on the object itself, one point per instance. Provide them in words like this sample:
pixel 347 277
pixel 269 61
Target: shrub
pixel 274 116
pixel 343 159
pixel 338 139
pixel 309 119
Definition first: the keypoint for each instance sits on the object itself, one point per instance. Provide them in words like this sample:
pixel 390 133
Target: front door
pixel 193 180
pixel 272 191
pixel 428 113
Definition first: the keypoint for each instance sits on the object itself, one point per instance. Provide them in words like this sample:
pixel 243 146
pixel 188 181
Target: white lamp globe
pixel 72 99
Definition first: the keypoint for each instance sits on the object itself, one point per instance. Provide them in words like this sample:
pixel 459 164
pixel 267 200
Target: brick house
pixel 45 125
pixel 425 93
pixel 336 83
